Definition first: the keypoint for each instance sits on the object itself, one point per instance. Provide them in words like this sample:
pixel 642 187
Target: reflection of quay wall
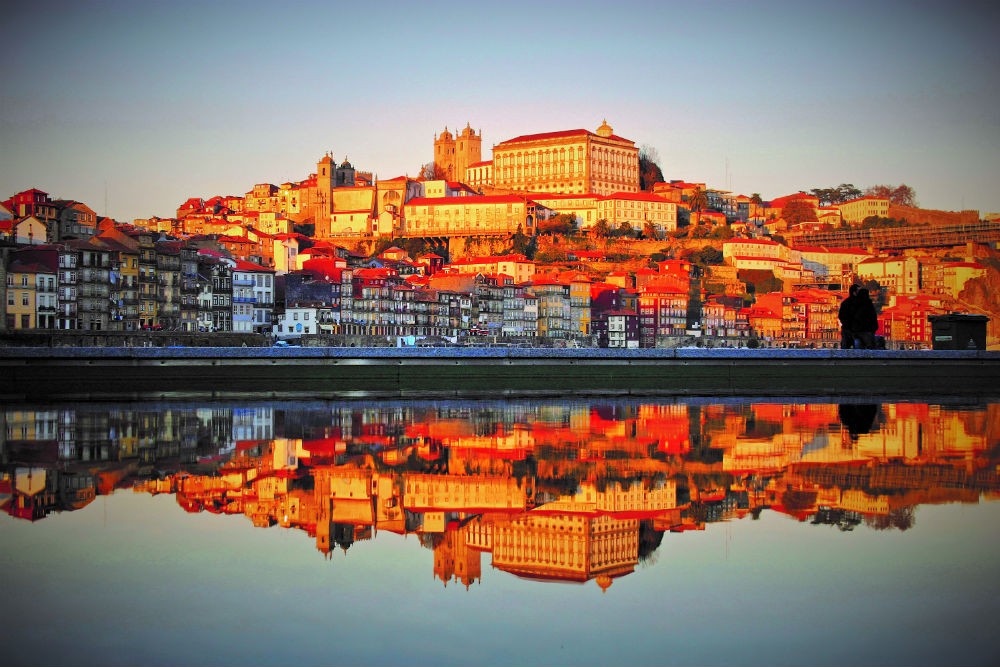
pixel 35 373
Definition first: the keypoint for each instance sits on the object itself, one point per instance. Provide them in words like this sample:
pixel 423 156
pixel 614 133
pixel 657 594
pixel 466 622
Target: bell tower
pixel 468 151
pixel 325 174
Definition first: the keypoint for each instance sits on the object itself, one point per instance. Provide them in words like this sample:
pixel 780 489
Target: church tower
pixel 325 176
pixel 468 151
pixel 444 153
pixel 453 154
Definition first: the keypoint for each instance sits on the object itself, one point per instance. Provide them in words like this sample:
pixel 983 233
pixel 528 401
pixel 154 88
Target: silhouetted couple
pixel 858 320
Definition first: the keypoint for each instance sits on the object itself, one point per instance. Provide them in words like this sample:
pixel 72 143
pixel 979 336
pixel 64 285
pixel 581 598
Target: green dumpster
pixel 958 331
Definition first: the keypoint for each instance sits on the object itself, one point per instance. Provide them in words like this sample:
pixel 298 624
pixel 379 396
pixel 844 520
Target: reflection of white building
pixel 253 424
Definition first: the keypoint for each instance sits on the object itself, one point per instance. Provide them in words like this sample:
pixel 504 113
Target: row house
pixel 253 297
pixel 124 279
pixel 906 322
pixel 554 311
pixel 720 316
pixel 31 295
pixel 520 310
pixel 23 231
pixel 663 309
pixel 623 329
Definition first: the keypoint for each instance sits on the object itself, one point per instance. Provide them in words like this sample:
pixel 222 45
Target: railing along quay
pixel 43 374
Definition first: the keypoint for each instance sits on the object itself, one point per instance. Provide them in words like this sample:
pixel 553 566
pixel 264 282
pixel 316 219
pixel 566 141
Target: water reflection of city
pixel 552 491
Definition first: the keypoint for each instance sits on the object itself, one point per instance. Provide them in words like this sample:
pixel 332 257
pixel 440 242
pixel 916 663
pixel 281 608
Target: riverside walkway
pixel 58 374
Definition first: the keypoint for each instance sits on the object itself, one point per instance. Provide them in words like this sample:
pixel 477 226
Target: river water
pixel 575 532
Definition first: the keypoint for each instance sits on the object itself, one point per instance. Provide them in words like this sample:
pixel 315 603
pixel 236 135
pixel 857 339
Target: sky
pixel 133 106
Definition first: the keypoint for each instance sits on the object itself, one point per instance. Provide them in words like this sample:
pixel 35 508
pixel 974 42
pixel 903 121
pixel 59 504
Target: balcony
pixel 244 299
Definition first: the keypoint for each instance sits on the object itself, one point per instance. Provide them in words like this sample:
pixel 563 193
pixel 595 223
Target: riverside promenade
pixel 118 373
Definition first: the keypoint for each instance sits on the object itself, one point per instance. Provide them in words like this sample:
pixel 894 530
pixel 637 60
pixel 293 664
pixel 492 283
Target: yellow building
pixel 21 300
pixel 898 275
pixel 954 275
pixel 567 161
pixel 353 210
pixel 582 206
pixel 454 154
pixel 479 175
pixel 853 212
pixel 638 209
pixel 475 215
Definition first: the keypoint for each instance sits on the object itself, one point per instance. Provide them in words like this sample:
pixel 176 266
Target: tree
pixel 432 171
pixel 601 229
pixel 841 193
pixel 650 231
pixel 697 202
pixel 624 229
pixel 564 223
pixel 900 195
pixel 522 244
pixel 414 246
pixel 707 256
pixel 649 170
pixel 798 210
pixel 756 206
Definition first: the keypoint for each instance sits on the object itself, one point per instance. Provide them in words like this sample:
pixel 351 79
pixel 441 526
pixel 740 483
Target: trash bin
pixel 958 331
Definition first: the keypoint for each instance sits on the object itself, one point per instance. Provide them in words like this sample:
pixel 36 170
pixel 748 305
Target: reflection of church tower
pixel 324 195
pixel 324 526
pixel 454 559
pixel 454 153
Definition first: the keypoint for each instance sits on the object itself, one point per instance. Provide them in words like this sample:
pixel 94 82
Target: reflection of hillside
pixel 550 491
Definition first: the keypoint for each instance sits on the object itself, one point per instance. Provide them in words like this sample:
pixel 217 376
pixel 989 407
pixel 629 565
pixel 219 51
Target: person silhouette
pixel 846 315
pixel 864 322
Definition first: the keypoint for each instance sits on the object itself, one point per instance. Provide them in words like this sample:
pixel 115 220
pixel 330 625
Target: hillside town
pixel 561 238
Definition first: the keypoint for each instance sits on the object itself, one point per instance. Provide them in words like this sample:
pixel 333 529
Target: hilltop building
pixel 454 154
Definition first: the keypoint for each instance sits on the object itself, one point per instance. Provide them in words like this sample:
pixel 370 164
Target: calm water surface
pixel 455 533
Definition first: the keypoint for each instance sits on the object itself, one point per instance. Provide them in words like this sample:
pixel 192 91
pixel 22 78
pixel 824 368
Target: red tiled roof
pixel 560 134
pixel 637 196
pixel 243 265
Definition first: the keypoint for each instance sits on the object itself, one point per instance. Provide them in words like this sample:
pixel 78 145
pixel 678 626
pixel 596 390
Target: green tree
pixel 625 229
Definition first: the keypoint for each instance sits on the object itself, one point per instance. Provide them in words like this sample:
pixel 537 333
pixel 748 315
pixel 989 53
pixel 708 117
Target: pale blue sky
pixel 155 102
